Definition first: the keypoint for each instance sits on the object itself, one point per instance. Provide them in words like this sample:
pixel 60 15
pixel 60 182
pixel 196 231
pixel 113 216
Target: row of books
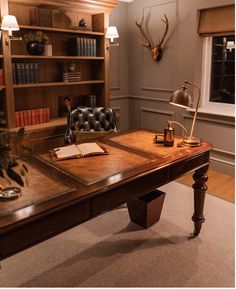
pixel 1 76
pixel 89 100
pixel 72 76
pixel 40 17
pixel 81 46
pixel 32 116
pixel 24 73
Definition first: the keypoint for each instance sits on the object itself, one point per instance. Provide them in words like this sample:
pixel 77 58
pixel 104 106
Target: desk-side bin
pixel 146 210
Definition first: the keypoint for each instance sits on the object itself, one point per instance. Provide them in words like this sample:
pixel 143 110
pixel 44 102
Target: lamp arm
pixel 185 130
pixel 196 109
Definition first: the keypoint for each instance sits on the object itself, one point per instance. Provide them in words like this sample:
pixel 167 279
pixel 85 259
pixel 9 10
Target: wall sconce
pixel 111 34
pixel 9 23
pixel 230 45
pixel 183 99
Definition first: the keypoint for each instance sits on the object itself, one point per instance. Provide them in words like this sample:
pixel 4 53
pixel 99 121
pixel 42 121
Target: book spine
pixel 21 114
pixel 40 111
pixel 31 72
pixel 85 46
pixel 36 116
pixel 25 115
pixel 1 76
pixel 17 116
pixel 23 72
pixel 33 117
pixel 14 72
pixel 78 46
pixel 47 114
pixel 29 117
pixel 44 112
pixel 82 46
pixel 36 72
pixel 27 73
pixel 95 47
pixel 18 74
pixel 32 16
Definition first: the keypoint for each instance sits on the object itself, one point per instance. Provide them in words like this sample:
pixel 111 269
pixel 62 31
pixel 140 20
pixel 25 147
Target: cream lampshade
pixel 10 24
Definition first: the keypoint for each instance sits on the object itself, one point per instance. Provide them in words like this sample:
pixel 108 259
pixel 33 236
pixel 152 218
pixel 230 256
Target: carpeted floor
pixel 111 251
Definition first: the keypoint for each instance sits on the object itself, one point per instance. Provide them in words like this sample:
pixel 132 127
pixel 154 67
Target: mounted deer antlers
pixel 157 51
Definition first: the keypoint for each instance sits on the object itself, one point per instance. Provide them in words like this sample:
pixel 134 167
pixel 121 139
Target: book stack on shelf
pixel 81 46
pixel 24 73
pixel 72 76
pixel 32 116
pixel 40 17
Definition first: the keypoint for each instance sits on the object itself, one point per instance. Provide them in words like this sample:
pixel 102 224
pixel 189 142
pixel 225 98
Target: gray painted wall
pixel 141 88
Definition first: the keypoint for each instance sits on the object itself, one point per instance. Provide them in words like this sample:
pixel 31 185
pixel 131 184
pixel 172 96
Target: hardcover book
pixel 77 151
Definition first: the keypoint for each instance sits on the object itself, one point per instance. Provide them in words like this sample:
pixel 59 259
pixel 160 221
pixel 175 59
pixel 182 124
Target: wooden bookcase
pixel 50 88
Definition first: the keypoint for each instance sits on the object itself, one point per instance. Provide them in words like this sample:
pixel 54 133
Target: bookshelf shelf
pixel 48 84
pixel 54 122
pixel 35 82
pixel 60 30
pixel 14 56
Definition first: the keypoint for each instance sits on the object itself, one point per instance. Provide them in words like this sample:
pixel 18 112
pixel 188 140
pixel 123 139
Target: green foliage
pixel 7 161
pixel 36 36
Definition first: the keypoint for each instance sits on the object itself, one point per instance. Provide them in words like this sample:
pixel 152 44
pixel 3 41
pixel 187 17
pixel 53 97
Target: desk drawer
pixel 28 234
pixel 130 190
pixel 183 167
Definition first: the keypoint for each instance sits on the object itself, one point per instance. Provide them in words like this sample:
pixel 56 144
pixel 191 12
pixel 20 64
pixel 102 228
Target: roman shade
pixel 217 21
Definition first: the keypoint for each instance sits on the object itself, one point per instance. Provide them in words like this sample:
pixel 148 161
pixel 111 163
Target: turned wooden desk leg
pixel 200 178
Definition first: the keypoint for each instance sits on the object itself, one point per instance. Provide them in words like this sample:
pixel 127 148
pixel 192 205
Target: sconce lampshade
pixel 230 45
pixel 10 24
pixel 112 33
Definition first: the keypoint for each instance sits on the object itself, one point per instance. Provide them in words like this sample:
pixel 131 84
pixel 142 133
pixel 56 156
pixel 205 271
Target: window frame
pixel 206 105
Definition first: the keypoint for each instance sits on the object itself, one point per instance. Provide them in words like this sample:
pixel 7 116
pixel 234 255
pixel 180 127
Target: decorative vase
pixel 47 49
pixel 35 48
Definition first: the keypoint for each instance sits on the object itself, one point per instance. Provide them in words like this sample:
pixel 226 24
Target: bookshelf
pixel 36 81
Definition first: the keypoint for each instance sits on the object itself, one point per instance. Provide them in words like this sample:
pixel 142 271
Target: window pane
pixel 223 70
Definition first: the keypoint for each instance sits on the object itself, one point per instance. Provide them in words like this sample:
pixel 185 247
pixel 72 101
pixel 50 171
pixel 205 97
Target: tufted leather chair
pixel 89 119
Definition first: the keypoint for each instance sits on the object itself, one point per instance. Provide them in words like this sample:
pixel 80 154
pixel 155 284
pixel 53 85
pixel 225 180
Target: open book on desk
pixel 77 151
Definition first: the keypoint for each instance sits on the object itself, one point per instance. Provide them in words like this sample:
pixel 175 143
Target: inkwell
pixel 169 135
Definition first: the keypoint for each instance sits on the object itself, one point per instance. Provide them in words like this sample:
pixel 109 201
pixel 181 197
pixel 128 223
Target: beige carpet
pixel 110 251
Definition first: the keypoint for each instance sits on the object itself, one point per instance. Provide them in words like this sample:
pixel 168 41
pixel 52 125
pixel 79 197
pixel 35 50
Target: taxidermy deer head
pixel 157 51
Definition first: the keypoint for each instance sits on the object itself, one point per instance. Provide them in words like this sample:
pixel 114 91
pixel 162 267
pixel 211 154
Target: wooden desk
pixel 64 194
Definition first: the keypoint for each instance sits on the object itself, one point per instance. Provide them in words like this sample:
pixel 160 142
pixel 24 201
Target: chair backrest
pixel 89 119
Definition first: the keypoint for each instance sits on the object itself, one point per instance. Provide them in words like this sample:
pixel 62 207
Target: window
pixel 222 70
pixel 218 82
pixel 216 27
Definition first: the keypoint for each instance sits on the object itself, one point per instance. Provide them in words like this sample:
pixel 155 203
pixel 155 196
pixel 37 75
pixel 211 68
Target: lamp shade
pixel 9 23
pixel 181 98
pixel 230 45
pixel 112 33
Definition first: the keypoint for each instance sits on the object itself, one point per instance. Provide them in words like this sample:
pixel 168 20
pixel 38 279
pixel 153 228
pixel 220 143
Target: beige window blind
pixel 217 21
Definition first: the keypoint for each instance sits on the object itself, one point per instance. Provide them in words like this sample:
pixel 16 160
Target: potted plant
pixel 35 42
pixel 10 167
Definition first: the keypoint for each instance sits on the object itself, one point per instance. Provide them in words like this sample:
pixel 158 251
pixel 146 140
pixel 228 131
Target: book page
pixel 67 152
pixel 90 148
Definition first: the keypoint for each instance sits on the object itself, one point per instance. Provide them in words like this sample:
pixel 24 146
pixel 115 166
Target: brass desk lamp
pixel 183 99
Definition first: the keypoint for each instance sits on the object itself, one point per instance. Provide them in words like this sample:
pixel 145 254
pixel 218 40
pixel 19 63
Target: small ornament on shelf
pixel 83 25
pixel 71 73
